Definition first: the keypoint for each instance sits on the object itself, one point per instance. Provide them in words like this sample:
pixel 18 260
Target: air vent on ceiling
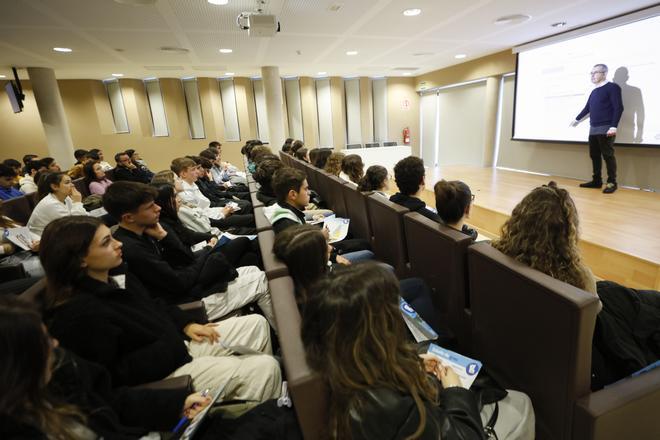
pixel 423 54
pixel 408 69
pixel 174 49
pixel 513 19
pixel 163 67
pixel 335 7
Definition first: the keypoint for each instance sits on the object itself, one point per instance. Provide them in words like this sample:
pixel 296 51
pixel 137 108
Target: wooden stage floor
pixel 620 232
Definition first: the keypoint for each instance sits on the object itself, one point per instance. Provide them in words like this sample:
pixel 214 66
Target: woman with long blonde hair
pixel 379 387
pixel 543 233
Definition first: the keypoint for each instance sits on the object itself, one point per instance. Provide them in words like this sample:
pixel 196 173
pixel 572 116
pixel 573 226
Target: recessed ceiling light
pixel 63 49
pixel 460 56
pixel 321 73
pixel 3 76
pixel 407 73
pixel 351 52
pixel 558 24
pixel 118 75
pixel 229 73
pixel 513 19
pixel 226 50
pixel 218 2
pixel 412 12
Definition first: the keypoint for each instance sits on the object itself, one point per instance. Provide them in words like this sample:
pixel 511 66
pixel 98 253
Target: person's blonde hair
pixel 333 165
pixel 543 233
pixel 163 177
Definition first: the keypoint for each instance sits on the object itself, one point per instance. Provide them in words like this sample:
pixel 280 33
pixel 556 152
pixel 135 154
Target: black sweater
pixel 137 339
pixel 415 205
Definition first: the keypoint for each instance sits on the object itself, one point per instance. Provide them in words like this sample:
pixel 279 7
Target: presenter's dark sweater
pixel 604 106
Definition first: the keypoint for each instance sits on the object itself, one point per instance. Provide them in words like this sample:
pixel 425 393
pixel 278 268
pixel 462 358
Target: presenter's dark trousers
pixel 602 145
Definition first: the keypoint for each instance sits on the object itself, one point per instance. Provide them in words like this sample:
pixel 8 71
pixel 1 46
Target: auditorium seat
pixel 110 174
pixel 534 334
pixel 372 145
pixel 356 209
pixel 438 254
pixel 81 186
pixel 353 146
pixel 312 175
pixel 389 144
pixel 308 391
pixel 260 220
pixel 33 199
pixel 335 195
pixel 252 187
pixel 389 243
pixel 273 266
pixel 18 209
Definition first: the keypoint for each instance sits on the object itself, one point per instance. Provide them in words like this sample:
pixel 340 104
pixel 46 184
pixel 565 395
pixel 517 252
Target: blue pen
pixel 184 419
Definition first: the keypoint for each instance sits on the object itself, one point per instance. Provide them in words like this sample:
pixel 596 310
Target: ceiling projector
pixel 257 24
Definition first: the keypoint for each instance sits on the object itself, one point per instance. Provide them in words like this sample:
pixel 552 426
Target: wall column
pixel 490 120
pixel 51 111
pixel 270 76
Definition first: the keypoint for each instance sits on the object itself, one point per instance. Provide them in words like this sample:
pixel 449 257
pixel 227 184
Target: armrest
pixel 173 383
pixel 196 311
pixel 626 409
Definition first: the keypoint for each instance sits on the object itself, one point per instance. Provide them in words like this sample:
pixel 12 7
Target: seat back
pixel 81 186
pixel 534 333
pixel 273 266
pixel 438 254
pixel 353 146
pixel 389 243
pixel 110 174
pixel 335 196
pixel 256 203
pixel 33 199
pixel 308 391
pixel 372 145
pixel 18 209
pixel 389 144
pixel 312 175
pixel 356 209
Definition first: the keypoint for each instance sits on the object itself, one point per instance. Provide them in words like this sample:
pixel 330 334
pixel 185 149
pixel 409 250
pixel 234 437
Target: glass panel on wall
pixel 228 95
pixel 117 105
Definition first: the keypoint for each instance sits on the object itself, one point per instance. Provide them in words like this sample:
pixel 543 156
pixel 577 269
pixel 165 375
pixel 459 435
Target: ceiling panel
pixel 315 17
pixel 284 49
pixel 99 14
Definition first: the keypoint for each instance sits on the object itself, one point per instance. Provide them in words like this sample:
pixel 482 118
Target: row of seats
pixel 370 145
pixel 532 332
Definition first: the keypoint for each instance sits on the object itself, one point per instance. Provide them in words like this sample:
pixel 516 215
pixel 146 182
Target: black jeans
pixel 602 145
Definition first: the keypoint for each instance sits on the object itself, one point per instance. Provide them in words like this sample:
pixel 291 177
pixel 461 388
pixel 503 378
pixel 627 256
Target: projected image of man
pixel 604 108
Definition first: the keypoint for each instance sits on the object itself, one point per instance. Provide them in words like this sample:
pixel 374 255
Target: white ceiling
pixel 108 37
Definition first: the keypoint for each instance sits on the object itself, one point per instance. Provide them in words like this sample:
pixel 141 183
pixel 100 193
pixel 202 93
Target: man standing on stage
pixel 604 108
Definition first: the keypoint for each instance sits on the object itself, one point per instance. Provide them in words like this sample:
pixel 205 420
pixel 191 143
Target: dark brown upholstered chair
pixel 33 198
pixel 534 333
pixel 260 220
pixel 356 210
pixel 273 266
pixel 172 383
pixel 312 175
pixel 335 195
pixel 110 174
pixel 438 254
pixel 389 242
pixel 81 186
pixel 18 209
pixel 308 392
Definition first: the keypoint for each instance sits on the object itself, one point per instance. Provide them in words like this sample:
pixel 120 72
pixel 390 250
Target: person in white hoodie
pixel 27 183
pixel 59 198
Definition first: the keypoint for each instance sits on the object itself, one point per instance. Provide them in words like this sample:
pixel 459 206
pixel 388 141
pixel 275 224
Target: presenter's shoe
pixel 592 184
pixel 610 188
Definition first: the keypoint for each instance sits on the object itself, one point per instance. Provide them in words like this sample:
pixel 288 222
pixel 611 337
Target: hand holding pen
pixel 193 405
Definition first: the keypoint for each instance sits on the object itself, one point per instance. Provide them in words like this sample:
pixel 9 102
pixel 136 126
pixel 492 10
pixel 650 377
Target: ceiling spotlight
pixel 460 56
pixel 226 51
pixel 117 75
pixel 63 49
pixel 3 76
pixel 559 24
pixel 321 73
pixel 351 52
pixel 407 73
pixel 412 12
pixel 218 2
pixel 229 73
pixel 513 19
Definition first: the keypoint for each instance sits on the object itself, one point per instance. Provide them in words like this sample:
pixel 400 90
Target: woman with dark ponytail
pixel 375 179
pixel 453 200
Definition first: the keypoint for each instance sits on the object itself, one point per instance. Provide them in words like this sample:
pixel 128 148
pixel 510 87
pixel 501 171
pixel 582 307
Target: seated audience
pixel 26 159
pixel 352 169
pixel 322 156
pixel 379 387
pixel 229 172
pixel 62 396
pixel 28 259
pixel 333 164
pixel 51 165
pixel 376 179
pixel 58 198
pixel 302 154
pixel 16 166
pixel 306 253
pixel 115 322
pixel 128 171
pixel 76 171
pixel 95 178
pixel 97 154
pixel 295 146
pixel 7 181
pixel 409 176
pixel 453 200
pixel 156 258
pixel 220 194
pixel 255 154
pixel 27 182
pixel 137 160
pixel 79 154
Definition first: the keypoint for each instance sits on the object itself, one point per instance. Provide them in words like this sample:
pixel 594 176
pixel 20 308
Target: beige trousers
pixel 246 377
pixel 249 286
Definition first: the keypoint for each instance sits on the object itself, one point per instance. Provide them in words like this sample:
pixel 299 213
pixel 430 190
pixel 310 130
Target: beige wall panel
pixel 309 112
pixel 22 133
pixel 366 110
pixel 338 105
pixel 403 111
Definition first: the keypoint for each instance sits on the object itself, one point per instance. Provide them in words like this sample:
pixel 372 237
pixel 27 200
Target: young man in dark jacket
pixel 409 175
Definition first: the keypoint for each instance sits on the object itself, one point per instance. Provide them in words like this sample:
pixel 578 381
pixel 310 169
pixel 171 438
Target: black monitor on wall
pixel 15 93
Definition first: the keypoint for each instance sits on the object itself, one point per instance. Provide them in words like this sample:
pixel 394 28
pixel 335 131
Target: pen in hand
pixel 184 419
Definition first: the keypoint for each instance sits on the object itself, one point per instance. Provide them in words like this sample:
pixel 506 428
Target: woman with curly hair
pixel 352 168
pixel 543 233
pixel 333 164
pixel 379 387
